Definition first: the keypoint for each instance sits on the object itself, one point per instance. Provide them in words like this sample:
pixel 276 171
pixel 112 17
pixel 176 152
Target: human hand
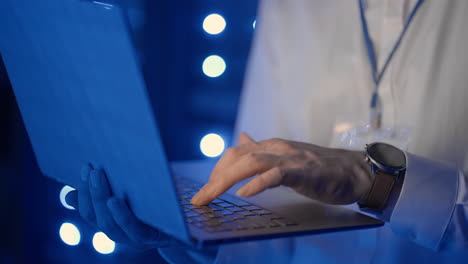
pixel 96 205
pixel 334 176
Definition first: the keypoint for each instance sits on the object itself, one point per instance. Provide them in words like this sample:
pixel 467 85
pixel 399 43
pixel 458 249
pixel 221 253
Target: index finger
pixel 247 166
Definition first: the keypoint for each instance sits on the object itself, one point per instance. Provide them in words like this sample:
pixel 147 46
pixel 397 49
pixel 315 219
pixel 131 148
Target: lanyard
pixel 375 105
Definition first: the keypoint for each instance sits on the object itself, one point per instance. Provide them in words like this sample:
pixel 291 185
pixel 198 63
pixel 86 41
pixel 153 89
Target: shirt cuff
pixel 427 201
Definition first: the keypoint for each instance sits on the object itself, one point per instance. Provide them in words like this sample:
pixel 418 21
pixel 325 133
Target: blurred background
pixel 193 55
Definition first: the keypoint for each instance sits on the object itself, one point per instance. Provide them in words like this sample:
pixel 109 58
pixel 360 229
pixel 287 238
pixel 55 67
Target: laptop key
pixel 199 218
pixel 234 200
pixel 225 212
pixel 225 205
pixel 209 215
pixel 251 207
pixel 190 214
pixel 235 209
pixel 215 207
pixel 262 212
pixel 235 216
pixel 245 213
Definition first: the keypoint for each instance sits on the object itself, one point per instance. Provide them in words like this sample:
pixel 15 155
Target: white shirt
pixel 309 73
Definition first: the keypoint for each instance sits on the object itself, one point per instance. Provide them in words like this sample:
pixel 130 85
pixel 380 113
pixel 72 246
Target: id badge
pixel 355 137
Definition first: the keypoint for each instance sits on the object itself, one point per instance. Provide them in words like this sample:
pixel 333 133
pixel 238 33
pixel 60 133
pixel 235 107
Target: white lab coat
pixel 309 72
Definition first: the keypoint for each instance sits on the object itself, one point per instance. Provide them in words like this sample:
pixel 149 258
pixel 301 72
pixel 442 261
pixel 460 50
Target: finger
pixel 100 194
pixel 272 146
pixel 269 179
pixel 244 138
pixel 72 199
pixel 247 166
pixel 280 146
pixel 85 204
pixel 135 230
pixel 233 154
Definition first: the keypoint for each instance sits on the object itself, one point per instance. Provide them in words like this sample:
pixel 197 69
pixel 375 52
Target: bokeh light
pixel 70 234
pixel 212 145
pixel 63 193
pixel 213 66
pixel 103 244
pixel 214 24
pixel 254 24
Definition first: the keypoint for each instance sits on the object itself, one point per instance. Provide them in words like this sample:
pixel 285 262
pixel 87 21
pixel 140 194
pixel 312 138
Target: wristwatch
pixel 388 164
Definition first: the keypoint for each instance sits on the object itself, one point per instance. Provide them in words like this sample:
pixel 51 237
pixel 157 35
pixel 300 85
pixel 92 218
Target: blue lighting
pixel 214 24
pixel 214 66
pixel 212 145
pixel 70 234
pixel 103 244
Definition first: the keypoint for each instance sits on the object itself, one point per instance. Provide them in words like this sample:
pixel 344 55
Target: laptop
pixel 83 99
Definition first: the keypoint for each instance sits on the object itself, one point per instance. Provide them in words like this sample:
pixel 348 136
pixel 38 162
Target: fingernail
pixel 95 179
pixel 195 198
pixel 198 196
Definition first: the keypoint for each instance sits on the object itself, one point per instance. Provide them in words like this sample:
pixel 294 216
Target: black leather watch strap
pixel 380 191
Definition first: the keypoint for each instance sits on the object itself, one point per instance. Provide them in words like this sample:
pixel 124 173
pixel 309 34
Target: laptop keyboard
pixel 226 213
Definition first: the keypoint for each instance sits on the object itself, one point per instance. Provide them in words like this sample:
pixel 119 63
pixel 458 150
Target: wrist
pixel 367 189
pixel 366 177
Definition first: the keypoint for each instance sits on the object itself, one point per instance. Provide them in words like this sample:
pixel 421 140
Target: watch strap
pixel 380 191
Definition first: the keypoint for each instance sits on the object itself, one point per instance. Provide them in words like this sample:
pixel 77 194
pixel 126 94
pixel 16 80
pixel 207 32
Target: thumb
pixel 244 138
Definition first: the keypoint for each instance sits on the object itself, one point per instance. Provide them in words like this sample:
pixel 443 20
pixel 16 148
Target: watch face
pixel 387 155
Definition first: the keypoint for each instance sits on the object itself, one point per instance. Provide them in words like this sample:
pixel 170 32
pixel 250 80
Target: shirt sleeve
pixel 432 208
